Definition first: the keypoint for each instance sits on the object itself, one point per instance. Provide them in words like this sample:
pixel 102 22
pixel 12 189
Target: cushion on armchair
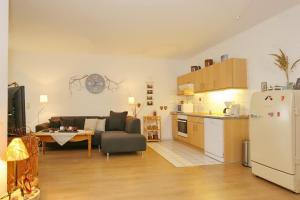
pixel 117 121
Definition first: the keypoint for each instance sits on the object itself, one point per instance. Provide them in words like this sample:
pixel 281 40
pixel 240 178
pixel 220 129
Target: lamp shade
pixel 16 150
pixel 43 98
pixel 131 100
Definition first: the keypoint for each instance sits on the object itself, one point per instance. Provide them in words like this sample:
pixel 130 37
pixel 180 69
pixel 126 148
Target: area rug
pixel 181 155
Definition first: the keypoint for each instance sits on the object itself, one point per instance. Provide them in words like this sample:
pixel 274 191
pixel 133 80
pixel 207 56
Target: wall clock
pixel 95 83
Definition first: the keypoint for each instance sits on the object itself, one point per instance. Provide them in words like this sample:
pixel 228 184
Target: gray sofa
pixel 110 141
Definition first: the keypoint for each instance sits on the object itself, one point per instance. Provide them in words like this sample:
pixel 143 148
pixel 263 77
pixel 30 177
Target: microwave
pixel 185 108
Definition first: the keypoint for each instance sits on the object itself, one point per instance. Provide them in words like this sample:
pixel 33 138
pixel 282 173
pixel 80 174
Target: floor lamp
pixel 43 100
pixel 16 151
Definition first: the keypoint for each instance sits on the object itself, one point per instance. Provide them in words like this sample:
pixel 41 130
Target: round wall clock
pixel 95 83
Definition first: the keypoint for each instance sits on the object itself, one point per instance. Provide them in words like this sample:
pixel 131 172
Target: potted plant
pixel 282 61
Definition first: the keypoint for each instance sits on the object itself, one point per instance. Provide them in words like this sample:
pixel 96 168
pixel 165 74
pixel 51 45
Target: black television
pixel 16 111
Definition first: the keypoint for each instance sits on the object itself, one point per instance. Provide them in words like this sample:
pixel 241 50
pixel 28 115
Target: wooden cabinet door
pixel 180 81
pixel 239 73
pixel 190 131
pixel 198 81
pixel 198 135
pixel 174 126
pixel 223 75
pixel 208 78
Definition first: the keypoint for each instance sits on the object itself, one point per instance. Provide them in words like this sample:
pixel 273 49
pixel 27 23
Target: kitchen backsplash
pixel 214 101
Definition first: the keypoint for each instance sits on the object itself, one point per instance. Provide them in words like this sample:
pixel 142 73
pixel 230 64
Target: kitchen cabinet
pixel 174 125
pixel 228 74
pixel 227 138
pixel 196 131
pixel 185 79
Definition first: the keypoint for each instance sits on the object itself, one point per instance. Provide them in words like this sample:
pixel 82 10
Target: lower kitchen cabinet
pixel 227 140
pixel 196 131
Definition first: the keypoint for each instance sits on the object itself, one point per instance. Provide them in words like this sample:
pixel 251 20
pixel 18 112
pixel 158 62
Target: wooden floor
pixel 70 174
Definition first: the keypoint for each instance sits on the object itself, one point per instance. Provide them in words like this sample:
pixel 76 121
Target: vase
pixel 289 85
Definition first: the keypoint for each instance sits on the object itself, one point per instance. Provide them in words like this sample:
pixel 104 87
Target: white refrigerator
pixel 275 137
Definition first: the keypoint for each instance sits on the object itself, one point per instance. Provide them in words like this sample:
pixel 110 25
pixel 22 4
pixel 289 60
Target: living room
pixel 138 50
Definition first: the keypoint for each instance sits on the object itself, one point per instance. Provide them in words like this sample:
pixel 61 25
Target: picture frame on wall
pixel 149 103
pixel 149 91
pixel 149 85
pixel 149 98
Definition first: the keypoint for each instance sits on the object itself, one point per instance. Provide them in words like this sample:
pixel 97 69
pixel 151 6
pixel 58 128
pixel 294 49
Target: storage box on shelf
pixel 152 128
pixel 228 74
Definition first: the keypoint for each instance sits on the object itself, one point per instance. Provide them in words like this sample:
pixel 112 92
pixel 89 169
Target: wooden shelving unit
pixel 152 128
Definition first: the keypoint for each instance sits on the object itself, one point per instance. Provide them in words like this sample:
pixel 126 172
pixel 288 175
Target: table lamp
pixel 131 101
pixel 16 151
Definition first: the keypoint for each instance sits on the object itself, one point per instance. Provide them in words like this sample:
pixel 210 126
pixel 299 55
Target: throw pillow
pixel 117 121
pixel 66 122
pixel 54 123
pixel 90 124
pixel 100 125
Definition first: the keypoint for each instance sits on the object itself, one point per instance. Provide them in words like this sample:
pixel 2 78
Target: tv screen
pixel 16 111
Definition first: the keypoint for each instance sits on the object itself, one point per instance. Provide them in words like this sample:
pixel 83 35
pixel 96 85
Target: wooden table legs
pixel 89 145
pixel 43 147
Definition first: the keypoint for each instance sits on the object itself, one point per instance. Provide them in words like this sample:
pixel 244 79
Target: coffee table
pixel 45 137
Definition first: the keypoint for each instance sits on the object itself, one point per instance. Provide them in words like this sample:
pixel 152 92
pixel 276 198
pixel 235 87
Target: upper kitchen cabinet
pixel 185 84
pixel 228 74
pixel 231 73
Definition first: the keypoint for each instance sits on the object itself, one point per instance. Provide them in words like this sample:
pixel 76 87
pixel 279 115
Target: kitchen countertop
pixel 207 115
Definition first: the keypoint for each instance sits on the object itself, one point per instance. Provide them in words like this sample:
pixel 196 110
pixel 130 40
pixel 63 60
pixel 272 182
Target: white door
pixel 214 138
pixel 272 130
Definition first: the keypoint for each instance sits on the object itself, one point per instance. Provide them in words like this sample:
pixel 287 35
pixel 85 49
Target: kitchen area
pixel 212 113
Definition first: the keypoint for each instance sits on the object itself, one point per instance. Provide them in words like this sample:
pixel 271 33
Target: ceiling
pixel 156 28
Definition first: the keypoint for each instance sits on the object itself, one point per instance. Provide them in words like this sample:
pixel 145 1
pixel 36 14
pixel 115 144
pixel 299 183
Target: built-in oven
pixel 182 125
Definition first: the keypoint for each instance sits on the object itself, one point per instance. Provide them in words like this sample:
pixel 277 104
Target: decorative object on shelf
pixel 94 83
pixel 152 128
pixel 290 86
pixel 16 151
pixel 208 62
pixel 297 85
pixel 264 86
pixel 224 57
pixel 282 61
pixel 150 91
pixel 43 101
pixel 195 68
pixel 154 113
pixel 135 106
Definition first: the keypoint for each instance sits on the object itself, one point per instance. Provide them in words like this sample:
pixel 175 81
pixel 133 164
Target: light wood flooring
pixel 70 174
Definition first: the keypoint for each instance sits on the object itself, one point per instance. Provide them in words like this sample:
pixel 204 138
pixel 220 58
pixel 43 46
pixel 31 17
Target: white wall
pixel 3 89
pixel 47 73
pixel 255 44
